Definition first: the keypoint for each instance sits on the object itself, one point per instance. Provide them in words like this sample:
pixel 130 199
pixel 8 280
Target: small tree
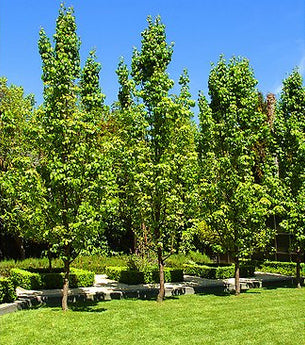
pixel 234 206
pixel 71 164
pixel 290 139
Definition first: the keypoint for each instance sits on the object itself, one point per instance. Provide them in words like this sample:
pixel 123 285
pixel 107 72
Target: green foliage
pixel 148 276
pixel 285 268
pixel 30 263
pixel 289 129
pixel 169 175
pixel 235 179
pixel 90 93
pixel 25 279
pixel 18 178
pixel 7 290
pixel 178 260
pixel 218 271
pixel 34 279
pixel 74 167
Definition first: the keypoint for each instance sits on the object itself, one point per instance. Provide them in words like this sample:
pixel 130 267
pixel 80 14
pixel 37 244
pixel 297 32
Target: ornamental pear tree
pixel 169 134
pixel 234 207
pixel 130 155
pixel 289 129
pixel 72 160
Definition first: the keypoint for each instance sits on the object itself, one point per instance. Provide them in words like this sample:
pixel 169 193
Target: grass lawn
pixel 256 317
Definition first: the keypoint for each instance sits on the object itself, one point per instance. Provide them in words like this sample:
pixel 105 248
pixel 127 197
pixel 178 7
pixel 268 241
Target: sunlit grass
pixel 257 317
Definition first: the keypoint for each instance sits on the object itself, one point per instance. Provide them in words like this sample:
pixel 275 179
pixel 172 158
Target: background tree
pixel 71 166
pixel 17 175
pixel 290 139
pixel 234 205
pixel 170 138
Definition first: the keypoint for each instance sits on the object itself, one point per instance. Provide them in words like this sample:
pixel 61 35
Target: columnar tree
pixel 130 154
pixel 170 139
pixel 290 139
pixel 234 205
pixel 71 162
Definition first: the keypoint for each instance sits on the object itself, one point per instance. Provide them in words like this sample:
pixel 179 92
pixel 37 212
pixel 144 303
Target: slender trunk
pixel 65 290
pixel 161 293
pixel 20 244
pixel 298 268
pixel 50 260
pixel 237 281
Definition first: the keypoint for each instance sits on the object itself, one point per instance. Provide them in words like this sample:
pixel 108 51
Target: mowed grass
pixel 256 317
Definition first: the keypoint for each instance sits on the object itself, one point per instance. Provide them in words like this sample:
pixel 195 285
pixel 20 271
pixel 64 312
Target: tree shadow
pixel 89 307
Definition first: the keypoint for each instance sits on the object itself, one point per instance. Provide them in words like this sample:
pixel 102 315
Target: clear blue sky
pixel 270 33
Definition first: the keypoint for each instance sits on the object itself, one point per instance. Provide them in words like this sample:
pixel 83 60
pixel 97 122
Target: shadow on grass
pixel 89 307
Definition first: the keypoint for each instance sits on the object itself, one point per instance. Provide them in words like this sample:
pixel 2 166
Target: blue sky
pixel 270 33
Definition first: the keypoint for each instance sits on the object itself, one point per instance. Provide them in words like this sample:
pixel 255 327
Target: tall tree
pixel 290 139
pixel 130 154
pixel 170 139
pixel 71 163
pixel 234 205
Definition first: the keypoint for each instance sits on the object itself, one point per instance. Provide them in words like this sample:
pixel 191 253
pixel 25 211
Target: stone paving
pixel 106 289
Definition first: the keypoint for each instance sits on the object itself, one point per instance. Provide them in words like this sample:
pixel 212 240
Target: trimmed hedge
pixel 95 263
pixel 7 291
pixel 43 279
pixel 284 268
pixel 219 272
pixel 149 275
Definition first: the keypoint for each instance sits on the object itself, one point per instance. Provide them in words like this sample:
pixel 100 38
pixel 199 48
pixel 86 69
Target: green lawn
pixel 257 317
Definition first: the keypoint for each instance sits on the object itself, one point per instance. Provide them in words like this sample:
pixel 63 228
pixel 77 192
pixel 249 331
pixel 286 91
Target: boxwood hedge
pixel 34 279
pixel 149 275
pixel 214 271
pixel 7 290
pixel 284 268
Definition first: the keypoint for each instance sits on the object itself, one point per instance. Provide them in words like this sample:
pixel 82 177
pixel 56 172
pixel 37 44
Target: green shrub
pixel 81 278
pixel 33 263
pixel 178 260
pixel 98 264
pixel 214 271
pixel 42 279
pixel 25 279
pixel 148 276
pixel 93 263
pixel 7 291
pixel 114 272
pixel 284 268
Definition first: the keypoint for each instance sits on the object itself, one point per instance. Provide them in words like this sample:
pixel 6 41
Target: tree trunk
pixel 50 260
pixel 20 245
pixel 298 268
pixel 65 290
pixel 237 281
pixel 161 293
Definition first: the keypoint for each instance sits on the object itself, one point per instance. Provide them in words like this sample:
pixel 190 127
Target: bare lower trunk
pixel 161 293
pixel 298 268
pixel 237 275
pixel 21 250
pixel 50 260
pixel 65 290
